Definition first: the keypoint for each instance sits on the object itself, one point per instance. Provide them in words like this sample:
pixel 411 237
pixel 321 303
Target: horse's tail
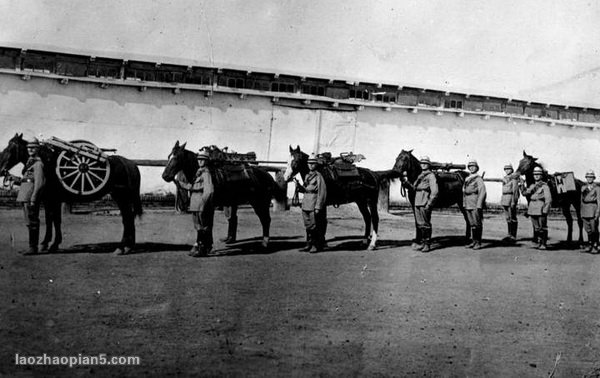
pixel 279 189
pixel 137 200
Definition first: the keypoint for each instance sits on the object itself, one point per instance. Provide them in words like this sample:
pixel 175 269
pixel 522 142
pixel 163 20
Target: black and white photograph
pixel 285 188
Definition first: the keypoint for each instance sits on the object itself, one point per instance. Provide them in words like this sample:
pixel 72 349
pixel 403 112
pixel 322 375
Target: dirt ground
pixel 500 311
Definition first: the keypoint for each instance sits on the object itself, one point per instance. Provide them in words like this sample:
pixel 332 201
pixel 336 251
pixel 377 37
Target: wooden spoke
pixel 81 175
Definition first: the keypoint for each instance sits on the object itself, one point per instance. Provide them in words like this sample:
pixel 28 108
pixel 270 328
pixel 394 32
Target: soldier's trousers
pixel 203 223
pixel 475 217
pixel 539 223
pixel 315 224
pixel 590 225
pixel 423 217
pixel 510 212
pixel 32 214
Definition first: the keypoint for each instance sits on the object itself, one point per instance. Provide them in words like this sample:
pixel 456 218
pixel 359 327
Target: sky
pixel 505 47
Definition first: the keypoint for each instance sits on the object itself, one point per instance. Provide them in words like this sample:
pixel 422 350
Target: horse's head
pixel 405 162
pixel 297 163
pixel 526 164
pixel 14 153
pixel 176 162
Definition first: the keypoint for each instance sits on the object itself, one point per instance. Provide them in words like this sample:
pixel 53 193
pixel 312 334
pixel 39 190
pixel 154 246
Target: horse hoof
pixel 371 248
pixel 53 248
pixel 127 250
pixel 44 247
pixel 119 252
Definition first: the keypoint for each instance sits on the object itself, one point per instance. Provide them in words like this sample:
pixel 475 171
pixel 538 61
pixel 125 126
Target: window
pixel 453 104
pixel 282 87
pixel 314 90
pixel 361 94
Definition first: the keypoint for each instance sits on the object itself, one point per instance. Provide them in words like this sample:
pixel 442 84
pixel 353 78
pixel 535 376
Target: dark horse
pixel 257 188
pixel 562 200
pixel 450 185
pixel 123 186
pixel 364 191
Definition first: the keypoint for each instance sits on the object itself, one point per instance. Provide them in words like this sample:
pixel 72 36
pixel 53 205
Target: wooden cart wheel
pixel 79 174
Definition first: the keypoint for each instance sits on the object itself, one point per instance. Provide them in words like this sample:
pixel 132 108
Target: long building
pixel 141 107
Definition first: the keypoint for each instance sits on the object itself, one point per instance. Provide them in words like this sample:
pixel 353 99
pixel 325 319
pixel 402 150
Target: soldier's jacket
pixel 510 191
pixel 202 190
pixel 426 189
pixel 590 201
pixel 33 181
pixel 540 200
pixel 474 192
pixel 315 192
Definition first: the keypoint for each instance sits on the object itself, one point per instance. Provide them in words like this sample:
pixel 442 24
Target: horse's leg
pixel 48 211
pixel 577 206
pixel 261 208
pixel 375 221
pixel 464 213
pixel 566 209
pixel 364 210
pixel 56 221
pixel 128 220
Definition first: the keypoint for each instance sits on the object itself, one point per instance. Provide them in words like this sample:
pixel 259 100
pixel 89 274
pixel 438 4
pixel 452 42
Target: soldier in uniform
pixel 202 207
pixel 590 210
pixel 30 192
pixel 539 205
pixel 509 201
pixel 314 207
pixel 474 195
pixel 426 191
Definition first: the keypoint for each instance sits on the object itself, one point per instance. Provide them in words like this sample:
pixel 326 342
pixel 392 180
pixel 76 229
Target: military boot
pixel 417 244
pixel 473 238
pixel 477 237
pixel 543 240
pixel 590 247
pixel 508 237
pixel 535 239
pixel 34 237
pixel 309 242
pixel 426 240
pixel 514 227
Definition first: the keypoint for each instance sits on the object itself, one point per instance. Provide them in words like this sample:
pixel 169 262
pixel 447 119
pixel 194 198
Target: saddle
pixel 342 167
pixel 565 182
pixel 229 167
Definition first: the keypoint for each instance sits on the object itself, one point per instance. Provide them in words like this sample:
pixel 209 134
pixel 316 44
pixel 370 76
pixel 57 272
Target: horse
pixel 363 190
pixel 562 200
pixel 123 186
pixel 257 188
pixel 450 186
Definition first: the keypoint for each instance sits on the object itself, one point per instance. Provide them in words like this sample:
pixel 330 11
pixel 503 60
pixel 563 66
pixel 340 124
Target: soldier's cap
pixel 472 163
pixel 312 158
pixel 508 166
pixel 538 170
pixel 202 155
pixel 590 173
pixel 425 160
pixel 34 143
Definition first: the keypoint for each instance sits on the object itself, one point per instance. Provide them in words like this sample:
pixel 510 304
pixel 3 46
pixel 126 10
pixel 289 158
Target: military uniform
pixel 203 209
pixel 509 201
pixel 590 211
pixel 315 196
pixel 474 195
pixel 540 201
pixel 426 192
pixel 30 193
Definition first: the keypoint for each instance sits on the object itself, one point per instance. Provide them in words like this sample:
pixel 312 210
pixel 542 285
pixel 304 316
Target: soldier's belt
pixel 311 191
pixel 590 201
pixel 28 180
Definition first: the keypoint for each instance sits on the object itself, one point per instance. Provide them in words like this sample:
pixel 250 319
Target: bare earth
pixel 501 311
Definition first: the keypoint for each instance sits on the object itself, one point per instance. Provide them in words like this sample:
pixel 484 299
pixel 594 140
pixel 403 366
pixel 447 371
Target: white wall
pixel 145 125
